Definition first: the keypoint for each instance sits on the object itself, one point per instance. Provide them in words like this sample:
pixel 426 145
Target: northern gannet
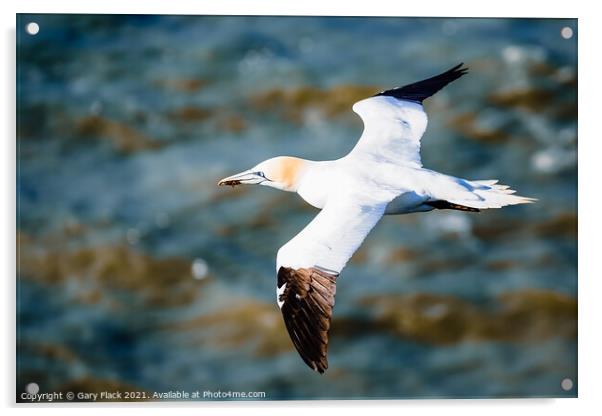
pixel 382 175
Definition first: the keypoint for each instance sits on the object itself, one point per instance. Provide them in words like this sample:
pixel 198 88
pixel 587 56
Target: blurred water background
pixel 136 272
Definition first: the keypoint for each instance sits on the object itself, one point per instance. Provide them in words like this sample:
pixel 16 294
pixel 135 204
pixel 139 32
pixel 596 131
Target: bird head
pixel 281 172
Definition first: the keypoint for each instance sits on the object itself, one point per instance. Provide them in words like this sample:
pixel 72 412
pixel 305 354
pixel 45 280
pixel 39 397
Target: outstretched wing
pixel 394 120
pixel 308 266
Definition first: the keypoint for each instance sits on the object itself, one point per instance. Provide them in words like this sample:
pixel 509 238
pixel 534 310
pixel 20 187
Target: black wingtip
pixel 421 90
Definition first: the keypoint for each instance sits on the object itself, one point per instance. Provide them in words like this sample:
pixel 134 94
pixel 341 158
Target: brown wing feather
pixel 307 309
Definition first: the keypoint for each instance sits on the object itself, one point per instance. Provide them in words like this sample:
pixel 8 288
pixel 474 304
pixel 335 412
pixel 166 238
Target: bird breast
pixel 324 179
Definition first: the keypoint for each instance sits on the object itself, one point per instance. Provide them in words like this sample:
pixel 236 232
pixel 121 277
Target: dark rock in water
pixel 566 111
pixel 435 265
pixel 33 120
pixel 541 69
pixel 88 385
pixel 165 282
pixel 563 225
pixel 401 254
pixel 501 265
pixel 234 123
pixel 189 85
pixel 498 229
pixel 535 315
pixel 425 317
pixel 331 102
pixel 529 315
pixel 244 324
pixel 466 124
pixel 48 350
pixel 550 88
pixel 532 99
pixel 121 136
pixel 191 114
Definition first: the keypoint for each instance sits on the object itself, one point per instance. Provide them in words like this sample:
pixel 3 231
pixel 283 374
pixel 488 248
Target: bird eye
pixel 261 174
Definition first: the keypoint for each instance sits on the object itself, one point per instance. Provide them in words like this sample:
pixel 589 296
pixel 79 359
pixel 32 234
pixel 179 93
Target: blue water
pixel 125 124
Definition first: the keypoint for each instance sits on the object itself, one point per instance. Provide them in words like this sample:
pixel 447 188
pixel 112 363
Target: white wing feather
pixel 332 237
pixel 392 130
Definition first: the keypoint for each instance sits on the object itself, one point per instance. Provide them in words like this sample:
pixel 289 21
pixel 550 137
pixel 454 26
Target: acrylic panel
pixel 139 278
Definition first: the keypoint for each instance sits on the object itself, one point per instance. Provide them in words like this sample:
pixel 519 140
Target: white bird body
pixel 382 175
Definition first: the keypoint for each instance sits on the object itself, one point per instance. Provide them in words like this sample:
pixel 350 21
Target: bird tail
pixel 490 194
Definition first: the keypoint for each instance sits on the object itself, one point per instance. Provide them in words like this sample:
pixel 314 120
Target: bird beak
pixel 248 177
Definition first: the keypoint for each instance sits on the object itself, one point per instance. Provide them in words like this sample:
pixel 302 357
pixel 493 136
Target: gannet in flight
pixel 382 175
